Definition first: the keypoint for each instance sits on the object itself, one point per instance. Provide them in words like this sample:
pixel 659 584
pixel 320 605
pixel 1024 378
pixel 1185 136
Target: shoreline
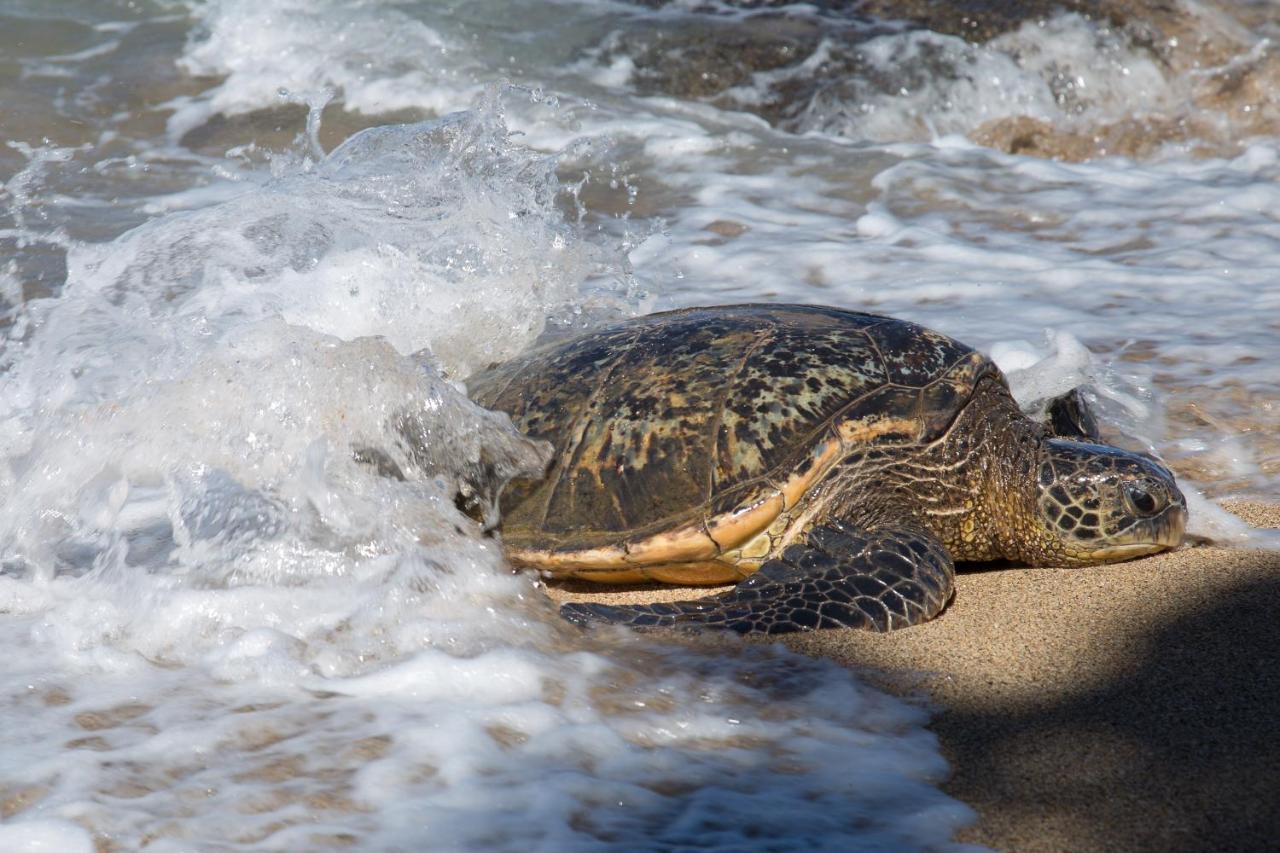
pixel 1132 706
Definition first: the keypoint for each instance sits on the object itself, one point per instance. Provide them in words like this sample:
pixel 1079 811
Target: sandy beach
pixel 1123 707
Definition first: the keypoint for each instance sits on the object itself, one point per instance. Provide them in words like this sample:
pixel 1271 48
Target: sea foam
pixel 251 608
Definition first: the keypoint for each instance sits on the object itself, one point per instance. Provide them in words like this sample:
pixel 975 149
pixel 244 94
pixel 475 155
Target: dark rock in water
pixel 804 67
pixel 702 57
pixel 799 56
pixel 973 20
pixel 280 128
pixel 982 20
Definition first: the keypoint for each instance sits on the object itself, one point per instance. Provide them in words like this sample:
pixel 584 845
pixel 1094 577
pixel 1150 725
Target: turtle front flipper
pixel 1071 416
pixel 842 577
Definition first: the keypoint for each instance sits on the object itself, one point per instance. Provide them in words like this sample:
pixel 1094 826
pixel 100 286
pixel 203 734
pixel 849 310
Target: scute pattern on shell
pixel 546 392
pixel 788 389
pixel 914 356
pixel 646 429
pixel 673 418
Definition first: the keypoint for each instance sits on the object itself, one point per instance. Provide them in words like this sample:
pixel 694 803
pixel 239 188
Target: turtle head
pixel 1099 504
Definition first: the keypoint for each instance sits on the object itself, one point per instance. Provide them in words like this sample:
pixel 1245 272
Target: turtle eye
pixel 1142 501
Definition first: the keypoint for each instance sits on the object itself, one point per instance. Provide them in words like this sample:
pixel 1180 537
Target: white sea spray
pixel 233 555
pixel 381 59
pixel 1065 71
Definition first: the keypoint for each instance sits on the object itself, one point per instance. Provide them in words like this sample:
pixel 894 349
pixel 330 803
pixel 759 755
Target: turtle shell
pixel 682 436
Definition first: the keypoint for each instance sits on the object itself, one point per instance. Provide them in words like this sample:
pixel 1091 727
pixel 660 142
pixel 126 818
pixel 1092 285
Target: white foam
pixel 45 836
pixel 919 85
pixel 1039 374
pixel 380 59
pixel 221 605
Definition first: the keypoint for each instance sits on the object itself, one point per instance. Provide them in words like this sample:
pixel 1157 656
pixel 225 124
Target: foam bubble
pixel 45 836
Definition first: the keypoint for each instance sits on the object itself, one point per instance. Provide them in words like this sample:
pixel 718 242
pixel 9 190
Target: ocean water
pixel 247 245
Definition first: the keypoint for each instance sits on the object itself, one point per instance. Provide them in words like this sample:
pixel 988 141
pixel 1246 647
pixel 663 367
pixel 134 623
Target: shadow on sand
pixel 1182 754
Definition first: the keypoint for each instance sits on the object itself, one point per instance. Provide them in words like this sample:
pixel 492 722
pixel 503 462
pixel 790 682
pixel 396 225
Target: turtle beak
pixel 1171 525
pixel 1149 536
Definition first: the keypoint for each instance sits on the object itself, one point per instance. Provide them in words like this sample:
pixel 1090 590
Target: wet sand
pixel 1125 707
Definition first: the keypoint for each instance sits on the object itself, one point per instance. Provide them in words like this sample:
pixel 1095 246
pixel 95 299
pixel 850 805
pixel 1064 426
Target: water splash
pixel 233 448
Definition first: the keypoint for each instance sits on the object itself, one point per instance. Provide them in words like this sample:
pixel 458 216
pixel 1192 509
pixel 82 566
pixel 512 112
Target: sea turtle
pixel 834 463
